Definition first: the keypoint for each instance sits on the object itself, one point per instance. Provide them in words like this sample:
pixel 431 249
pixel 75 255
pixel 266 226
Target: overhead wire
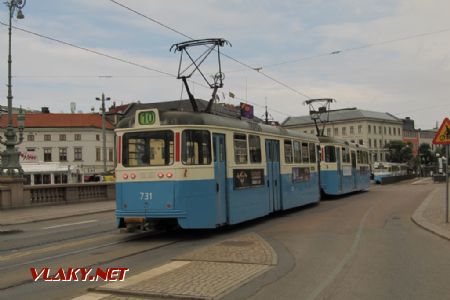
pixel 96 52
pixel 258 70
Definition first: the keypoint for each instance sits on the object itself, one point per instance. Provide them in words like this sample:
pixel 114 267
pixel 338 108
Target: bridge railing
pixel 14 194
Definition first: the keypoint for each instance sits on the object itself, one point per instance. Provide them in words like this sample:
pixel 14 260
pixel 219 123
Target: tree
pixel 399 152
pixel 425 154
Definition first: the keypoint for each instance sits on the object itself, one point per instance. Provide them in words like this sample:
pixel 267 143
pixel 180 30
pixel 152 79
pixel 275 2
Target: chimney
pixel 45 110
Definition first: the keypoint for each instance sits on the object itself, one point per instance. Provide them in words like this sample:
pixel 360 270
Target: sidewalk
pixel 430 215
pixel 51 212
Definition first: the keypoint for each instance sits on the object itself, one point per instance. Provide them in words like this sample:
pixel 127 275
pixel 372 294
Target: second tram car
pixel 344 167
pixel 199 170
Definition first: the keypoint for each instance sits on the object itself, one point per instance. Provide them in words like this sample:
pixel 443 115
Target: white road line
pixel 69 224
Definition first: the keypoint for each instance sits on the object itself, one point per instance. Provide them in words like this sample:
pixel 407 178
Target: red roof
pixel 58 120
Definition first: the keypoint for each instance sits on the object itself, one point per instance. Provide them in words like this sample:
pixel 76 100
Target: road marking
pixel 332 276
pixel 70 224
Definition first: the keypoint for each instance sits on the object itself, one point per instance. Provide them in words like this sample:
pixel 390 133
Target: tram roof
pixel 200 118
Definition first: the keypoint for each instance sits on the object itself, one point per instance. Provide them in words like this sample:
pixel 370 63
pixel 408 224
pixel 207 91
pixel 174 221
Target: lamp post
pixel 10 165
pixel 103 99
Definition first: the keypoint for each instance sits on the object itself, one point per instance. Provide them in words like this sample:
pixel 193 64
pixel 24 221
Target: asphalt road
pixel 363 246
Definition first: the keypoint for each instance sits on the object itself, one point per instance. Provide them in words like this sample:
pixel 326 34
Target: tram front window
pixel 196 149
pixel 143 149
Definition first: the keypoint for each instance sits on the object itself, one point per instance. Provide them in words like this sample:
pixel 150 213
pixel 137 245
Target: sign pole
pixel 442 137
pixel 446 184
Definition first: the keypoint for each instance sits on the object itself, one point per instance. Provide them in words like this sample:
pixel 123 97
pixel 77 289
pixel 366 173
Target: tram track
pixel 82 257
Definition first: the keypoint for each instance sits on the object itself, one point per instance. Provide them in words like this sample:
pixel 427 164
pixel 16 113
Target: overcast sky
pixel 394 55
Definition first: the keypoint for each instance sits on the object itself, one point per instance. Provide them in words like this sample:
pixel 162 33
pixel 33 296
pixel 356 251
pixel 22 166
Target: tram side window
pixel 345 155
pixel 305 153
pixel 240 148
pixel 312 152
pixel 297 152
pixel 365 157
pixel 359 157
pixel 330 154
pixel 143 149
pixel 288 151
pixel 255 148
pixel 196 147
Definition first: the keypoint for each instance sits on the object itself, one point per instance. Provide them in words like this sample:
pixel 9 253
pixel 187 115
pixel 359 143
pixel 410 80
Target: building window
pixel 390 131
pixel 47 154
pixel 359 129
pixel 369 128
pixel 385 131
pixel 344 130
pixel 30 138
pixel 47 137
pixel 97 137
pixel 110 156
pixel 374 129
pixel 97 154
pixel 62 137
pixel 375 143
pixel 352 130
pixel 370 143
pixel 77 137
pixel 379 130
pixel 62 154
pixel 77 153
pixel 336 131
pixel 328 131
pixel 361 142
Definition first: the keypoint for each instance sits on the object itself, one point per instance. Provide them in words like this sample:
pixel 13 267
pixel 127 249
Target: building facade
pixel 372 129
pixel 74 140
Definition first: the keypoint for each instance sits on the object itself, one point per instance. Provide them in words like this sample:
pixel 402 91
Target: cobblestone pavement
pixel 431 213
pixel 207 273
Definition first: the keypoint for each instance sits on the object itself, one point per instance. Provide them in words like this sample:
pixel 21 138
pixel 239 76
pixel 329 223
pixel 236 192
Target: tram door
pixel 220 174
pixel 354 175
pixel 273 174
pixel 339 167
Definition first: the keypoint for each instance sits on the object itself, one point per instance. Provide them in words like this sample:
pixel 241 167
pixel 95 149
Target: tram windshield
pixel 143 149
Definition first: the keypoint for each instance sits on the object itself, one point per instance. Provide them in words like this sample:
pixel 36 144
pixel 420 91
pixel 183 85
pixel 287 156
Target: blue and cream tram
pixel 388 172
pixel 344 167
pixel 201 170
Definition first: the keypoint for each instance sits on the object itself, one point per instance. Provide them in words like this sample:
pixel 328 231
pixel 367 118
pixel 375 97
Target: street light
pixel 103 99
pixel 10 165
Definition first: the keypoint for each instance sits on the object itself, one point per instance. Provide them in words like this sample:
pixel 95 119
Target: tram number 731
pixel 146 196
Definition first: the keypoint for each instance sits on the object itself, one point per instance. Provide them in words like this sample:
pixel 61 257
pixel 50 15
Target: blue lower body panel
pixel 334 183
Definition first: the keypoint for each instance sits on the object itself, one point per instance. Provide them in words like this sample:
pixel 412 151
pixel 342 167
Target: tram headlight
pixel 169 175
pixel 125 176
pixel 133 176
pixel 160 174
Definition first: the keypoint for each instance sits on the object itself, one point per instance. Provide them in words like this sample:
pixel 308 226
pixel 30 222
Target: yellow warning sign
pixel 442 137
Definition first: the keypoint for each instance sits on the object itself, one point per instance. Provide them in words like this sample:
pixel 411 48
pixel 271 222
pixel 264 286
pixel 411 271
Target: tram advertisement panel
pixel 245 178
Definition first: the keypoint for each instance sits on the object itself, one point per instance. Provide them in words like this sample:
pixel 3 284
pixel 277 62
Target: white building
pixel 73 140
pixel 369 128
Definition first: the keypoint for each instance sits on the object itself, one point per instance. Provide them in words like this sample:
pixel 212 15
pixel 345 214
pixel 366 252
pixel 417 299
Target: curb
pixel 58 217
pixel 418 218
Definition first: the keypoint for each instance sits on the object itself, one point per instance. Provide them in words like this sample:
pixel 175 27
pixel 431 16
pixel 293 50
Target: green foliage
pixel 399 152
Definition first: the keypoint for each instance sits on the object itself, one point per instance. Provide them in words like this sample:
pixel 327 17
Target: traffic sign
pixel 442 137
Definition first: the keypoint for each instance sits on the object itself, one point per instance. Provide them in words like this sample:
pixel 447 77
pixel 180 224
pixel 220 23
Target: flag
pixel 230 94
